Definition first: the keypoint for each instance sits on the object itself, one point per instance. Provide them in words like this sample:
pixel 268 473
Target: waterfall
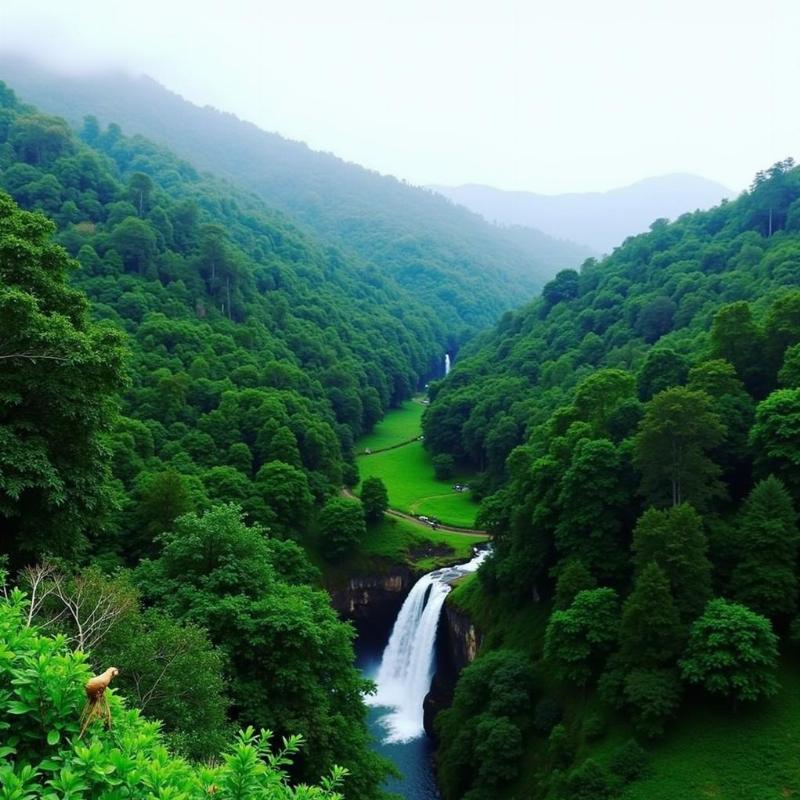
pixel 446 364
pixel 407 666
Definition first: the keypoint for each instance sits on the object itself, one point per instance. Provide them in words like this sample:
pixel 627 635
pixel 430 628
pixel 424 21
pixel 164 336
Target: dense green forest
pixel 449 258
pixel 637 432
pixel 179 403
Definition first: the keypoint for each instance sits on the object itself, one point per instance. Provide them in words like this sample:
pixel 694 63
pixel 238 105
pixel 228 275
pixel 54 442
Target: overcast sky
pixel 545 95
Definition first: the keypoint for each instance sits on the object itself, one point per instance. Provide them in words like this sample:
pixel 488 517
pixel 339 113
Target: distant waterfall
pixel 407 667
pixel 446 364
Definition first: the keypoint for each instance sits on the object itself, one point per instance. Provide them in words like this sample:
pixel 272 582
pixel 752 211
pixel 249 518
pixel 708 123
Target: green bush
pixel 41 755
pixel 629 761
pixel 590 781
pixel 594 727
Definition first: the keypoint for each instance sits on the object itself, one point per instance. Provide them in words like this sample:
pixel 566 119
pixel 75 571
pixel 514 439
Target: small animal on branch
pixel 96 701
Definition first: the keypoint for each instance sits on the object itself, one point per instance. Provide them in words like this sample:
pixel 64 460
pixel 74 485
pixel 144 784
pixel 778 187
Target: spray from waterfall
pixel 406 670
pixel 446 364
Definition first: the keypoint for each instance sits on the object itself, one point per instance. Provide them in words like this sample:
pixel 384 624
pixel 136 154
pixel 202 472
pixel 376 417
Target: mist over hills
pixel 444 254
pixel 600 220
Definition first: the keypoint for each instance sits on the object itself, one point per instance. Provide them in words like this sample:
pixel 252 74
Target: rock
pixel 457 646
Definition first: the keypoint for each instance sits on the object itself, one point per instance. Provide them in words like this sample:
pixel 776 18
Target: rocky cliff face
pixel 372 602
pixel 456 647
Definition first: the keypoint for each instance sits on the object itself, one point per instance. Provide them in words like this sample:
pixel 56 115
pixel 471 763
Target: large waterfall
pixel 406 670
pixel 446 364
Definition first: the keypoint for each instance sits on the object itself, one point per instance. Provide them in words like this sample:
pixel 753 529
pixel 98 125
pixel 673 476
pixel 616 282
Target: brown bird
pixel 96 702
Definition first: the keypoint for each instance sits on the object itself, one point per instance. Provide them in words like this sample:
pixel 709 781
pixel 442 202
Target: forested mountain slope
pixel 466 269
pixel 637 429
pixel 245 359
pixel 251 343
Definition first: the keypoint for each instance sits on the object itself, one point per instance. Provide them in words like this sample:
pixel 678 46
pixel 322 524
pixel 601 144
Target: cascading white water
pixel 446 363
pixel 406 670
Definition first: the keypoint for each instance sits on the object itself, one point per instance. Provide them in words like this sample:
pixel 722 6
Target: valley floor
pixel 397 456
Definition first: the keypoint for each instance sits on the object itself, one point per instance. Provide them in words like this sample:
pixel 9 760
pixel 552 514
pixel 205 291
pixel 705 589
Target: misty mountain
pixel 601 220
pixel 446 255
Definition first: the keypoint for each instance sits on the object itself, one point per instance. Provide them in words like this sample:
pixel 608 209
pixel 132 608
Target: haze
pixel 543 96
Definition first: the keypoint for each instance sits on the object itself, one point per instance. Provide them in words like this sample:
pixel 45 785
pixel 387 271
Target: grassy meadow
pixel 398 426
pixel 413 488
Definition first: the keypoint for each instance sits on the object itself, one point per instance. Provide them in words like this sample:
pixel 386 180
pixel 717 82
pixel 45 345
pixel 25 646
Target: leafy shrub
pixel 42 757
pixel 629 761
pixel 593 727
pixel 590 781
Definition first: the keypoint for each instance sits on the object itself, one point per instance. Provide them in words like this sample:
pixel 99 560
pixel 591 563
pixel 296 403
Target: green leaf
pixel 53 737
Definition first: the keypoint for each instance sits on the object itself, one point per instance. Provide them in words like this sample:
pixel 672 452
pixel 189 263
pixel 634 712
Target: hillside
pixel 600 220
pixel 636 431
pixel 467 270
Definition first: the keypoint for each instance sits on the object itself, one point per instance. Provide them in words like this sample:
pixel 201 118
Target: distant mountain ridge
pixel 465 268
pixel 600 220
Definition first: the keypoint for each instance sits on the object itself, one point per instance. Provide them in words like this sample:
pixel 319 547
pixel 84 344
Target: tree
pixel 160 498
pixel 733 652
pixel 172 673
pixel 374 498
pixel 140 189
pixel 671 449
pixel 60 374
pixel 650 631
pixel 736 338
pixel 662 369
pixel 592 507
pixel 656 319
pixel 573 578
pixel 599 395
pixel 674 540
pixel 135 241
pixel 289 659
pixel 653 696
pixel 775 438
pixel 577 639
pixel 563 287
pixel 341 525
pixel 443 466
pixel 789 375
pixel 285 490
pixel 764 578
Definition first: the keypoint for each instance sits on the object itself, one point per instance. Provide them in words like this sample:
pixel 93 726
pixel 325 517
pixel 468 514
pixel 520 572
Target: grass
pixel 711 752
pixel 401 425
pixel 408 471
pixel 413 488
pixel 419 547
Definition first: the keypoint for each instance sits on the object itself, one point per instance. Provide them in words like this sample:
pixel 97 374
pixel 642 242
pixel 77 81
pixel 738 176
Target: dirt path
pixel 393 512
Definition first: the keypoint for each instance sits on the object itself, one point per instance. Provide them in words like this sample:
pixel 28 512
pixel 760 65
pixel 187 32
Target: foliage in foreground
pixel 42 757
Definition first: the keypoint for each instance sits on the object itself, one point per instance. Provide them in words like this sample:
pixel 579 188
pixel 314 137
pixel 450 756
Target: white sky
pixel 545 95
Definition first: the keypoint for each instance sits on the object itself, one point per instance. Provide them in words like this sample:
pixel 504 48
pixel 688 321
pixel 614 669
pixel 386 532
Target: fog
pixel 519 94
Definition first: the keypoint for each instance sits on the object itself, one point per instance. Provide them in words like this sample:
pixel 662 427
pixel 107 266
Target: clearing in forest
pixel 408 473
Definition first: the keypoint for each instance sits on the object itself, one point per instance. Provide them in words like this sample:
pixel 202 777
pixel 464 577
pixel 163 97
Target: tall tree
pixel 674 540
pixel 679 430
pixel 775 438
pixel 375 499
pixel 767 539
pixel 578 638
pixel 60 378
